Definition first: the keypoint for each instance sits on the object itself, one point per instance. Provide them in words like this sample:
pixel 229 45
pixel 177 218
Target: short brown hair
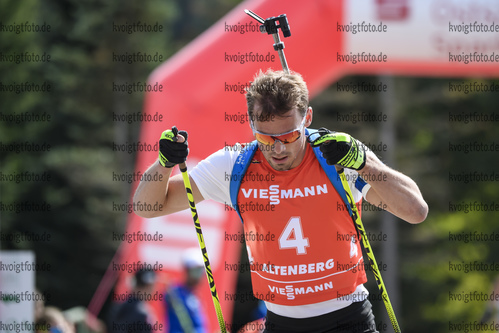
pixel 277 93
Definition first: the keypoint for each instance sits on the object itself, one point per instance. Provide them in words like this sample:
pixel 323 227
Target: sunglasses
pixel 285 138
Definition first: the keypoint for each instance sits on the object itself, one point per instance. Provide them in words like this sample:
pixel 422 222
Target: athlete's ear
pixel 310 114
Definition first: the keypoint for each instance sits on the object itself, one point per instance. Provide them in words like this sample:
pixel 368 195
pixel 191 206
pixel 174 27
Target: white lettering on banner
pixel 290 291
pixel 430 42
pixel 274 193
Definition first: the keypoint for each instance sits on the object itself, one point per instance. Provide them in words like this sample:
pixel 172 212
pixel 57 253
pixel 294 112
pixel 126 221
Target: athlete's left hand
pixel 341 149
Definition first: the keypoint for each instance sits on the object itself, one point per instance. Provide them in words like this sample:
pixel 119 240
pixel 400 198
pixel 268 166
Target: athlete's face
pixel 279 155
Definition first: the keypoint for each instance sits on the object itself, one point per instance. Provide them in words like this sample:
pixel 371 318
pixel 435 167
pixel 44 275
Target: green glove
pixel 172 152
pixel 341 149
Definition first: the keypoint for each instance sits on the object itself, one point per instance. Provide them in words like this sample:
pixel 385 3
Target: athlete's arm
pixel 397 191
pixel 169 192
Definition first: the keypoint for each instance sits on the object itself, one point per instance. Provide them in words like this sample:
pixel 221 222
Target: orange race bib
pixel 302 243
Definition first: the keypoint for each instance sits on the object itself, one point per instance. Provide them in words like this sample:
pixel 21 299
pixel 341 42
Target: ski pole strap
pixel 370 254
pixel 202 245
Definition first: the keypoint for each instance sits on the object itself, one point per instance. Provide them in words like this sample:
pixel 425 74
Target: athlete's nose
pixel 279 147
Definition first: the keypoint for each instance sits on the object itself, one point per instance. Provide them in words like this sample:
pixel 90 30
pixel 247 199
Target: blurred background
pixel 426 120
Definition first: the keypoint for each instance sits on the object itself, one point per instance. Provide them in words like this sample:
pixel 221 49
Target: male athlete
pixel 314 267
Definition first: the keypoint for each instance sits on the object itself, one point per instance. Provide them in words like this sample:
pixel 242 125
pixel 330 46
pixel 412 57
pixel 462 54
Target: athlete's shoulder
pixel 228 153
pixel 236 147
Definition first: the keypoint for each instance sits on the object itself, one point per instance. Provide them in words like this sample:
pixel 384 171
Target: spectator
pixel 52 320
pixel 134 315
pixel 184 310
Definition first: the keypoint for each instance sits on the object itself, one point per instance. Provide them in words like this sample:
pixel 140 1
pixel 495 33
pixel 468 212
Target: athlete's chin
pixel 280 162
pixel 280 166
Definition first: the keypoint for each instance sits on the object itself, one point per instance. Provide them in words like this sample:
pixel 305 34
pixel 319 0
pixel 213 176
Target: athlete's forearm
pixel 399 192
pixel 154 191
pixel 168 193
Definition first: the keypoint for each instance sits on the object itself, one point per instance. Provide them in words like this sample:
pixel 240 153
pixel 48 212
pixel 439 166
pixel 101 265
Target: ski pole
pixel 202 245
pixel 271 26
pixel 370 254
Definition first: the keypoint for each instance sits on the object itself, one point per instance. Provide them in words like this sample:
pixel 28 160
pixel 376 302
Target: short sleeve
pixel 212 175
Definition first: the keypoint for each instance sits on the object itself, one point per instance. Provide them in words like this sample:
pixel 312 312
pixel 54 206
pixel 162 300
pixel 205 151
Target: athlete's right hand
pixel 172 152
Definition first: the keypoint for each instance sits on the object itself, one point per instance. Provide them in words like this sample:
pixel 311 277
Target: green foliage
pixel 81 130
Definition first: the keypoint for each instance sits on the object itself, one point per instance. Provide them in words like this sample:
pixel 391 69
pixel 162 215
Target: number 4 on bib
pixel 292 236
